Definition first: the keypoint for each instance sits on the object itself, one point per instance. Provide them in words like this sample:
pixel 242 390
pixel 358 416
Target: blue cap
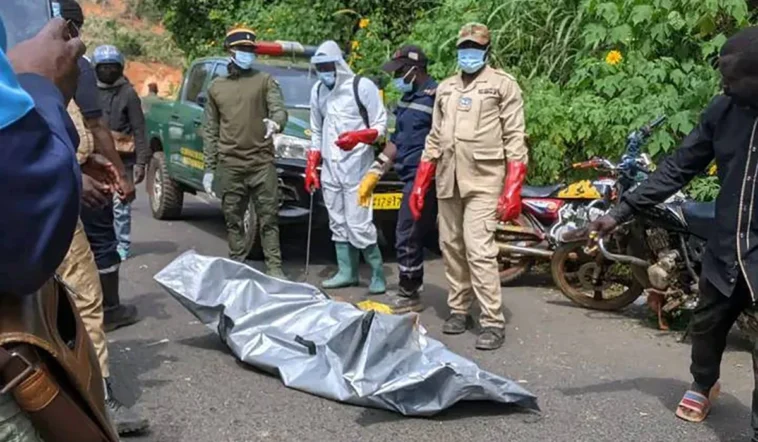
pixel 107 54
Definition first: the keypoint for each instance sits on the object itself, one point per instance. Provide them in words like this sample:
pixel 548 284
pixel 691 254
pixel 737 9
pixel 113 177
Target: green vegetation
pixel 136 43
pixel 591 70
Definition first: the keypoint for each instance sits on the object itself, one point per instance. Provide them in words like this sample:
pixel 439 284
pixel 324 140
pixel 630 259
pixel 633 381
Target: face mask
pixel 328 78
pixel 243 59
pixel 404 84
pixel 471 60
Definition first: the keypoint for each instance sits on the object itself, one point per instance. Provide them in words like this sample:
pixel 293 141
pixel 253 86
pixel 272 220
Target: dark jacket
pixel 41 185
pixel 122 108
pixel 727 132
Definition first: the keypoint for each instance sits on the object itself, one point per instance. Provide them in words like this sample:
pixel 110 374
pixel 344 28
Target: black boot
pixel 491 338
pixel 456 324
pixel 126 420
pixel 115 314
pixel 408 299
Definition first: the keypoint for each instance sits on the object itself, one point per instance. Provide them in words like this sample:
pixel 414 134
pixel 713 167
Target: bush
pixel 592 70
pixel 134 42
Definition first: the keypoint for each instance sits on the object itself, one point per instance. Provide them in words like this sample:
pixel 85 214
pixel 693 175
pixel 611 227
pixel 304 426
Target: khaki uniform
pixel 476 129
pixel 79 271
pixel 234 140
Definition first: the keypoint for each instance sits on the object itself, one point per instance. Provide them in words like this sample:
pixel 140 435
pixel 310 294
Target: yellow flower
pixel 354 45
pixel 363 24
pixel 613 58
pixel 713 170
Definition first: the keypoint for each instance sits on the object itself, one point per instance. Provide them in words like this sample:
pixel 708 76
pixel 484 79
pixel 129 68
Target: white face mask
pixel 243 59
pixel 328 78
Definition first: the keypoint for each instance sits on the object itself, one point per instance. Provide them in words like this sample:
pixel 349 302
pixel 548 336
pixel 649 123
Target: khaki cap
pixel 476 32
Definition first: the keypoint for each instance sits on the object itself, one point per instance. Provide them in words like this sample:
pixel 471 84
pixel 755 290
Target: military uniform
pixel 475 130
pixel 236 147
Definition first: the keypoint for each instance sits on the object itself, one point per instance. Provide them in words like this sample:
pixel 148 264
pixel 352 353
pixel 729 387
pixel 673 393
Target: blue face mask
pixel 243 59
pixel 471 60
pixel 328 78
pixel 402 86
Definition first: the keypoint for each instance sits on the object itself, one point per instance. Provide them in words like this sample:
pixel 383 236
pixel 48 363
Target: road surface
pixel 598 376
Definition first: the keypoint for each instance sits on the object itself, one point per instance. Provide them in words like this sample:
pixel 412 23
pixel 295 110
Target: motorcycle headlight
pixel 291 148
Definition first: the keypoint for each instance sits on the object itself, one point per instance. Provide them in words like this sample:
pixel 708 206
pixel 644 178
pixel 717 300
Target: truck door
pixel 185 127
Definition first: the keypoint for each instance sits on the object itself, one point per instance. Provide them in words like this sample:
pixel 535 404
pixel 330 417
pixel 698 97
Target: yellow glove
pixel 366 189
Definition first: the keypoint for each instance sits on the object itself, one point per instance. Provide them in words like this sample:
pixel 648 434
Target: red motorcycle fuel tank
pixel 544 209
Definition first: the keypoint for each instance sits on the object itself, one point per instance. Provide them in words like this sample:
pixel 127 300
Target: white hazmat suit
pixel 333 112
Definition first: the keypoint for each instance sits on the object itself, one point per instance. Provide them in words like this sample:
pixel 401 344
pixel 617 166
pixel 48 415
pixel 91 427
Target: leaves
pixel 641 14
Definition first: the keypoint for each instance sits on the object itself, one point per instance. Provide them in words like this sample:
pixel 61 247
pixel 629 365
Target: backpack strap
pixel 361 107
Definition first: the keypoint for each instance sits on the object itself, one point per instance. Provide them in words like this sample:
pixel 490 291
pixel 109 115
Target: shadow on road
pixel 129 360
pixel 461 410
pixel 727 419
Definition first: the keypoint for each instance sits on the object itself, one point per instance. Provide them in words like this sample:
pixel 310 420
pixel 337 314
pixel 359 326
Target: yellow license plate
pixel 387 201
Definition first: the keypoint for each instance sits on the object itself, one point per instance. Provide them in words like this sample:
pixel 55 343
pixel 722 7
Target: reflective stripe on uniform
pixel 416 106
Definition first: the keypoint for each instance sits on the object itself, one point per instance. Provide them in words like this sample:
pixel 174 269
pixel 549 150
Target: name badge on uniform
pixel 464 104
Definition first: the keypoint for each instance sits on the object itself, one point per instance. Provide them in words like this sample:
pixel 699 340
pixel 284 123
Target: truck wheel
pixel 166 196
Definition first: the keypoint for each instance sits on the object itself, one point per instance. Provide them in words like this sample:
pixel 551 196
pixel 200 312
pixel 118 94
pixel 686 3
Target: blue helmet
pixel 107 54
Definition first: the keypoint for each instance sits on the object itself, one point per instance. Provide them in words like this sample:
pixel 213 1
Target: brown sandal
pixel 695 407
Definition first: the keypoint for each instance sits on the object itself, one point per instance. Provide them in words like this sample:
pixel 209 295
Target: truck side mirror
pixel 202 99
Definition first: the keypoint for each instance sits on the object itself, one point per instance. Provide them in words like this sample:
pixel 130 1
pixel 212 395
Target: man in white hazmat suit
pixel 347 116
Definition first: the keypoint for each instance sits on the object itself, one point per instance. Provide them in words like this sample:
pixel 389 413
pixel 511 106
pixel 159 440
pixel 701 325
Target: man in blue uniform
pixel 412 124
pixel 38 173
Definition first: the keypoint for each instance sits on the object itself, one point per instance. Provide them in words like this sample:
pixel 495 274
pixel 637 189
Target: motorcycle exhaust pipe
pixel 623 259
pixel 529 251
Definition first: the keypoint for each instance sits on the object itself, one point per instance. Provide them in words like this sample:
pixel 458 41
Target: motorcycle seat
pixel 699 217
pixel 540 191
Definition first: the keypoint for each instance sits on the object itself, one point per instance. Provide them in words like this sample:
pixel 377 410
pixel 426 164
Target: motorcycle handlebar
pixel 654 124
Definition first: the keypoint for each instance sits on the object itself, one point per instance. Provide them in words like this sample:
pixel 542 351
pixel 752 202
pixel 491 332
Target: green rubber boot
pixel 347 264
pixel 373 257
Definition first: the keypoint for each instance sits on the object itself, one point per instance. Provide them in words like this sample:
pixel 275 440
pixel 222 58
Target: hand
pixel 272 127
pixel 95 194
pixel 366 188
pixel 598 229
pixel 426 170
pixel 348 140
pixel 208 183
pixel 312 181
pixel 128 192
pixel 509 204
pixel 103 171
pixel 52 54
pixel 139 173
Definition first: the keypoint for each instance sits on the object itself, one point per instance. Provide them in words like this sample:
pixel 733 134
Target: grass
pixel 135 42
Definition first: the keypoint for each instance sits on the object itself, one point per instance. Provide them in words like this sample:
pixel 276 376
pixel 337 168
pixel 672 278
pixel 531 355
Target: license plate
pixel 387 201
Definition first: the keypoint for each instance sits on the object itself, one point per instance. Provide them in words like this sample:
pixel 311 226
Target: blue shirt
pixel 413 122
pixel 41 184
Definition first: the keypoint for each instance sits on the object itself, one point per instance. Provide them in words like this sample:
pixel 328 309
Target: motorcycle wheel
pixel 571 268
pixel 510 268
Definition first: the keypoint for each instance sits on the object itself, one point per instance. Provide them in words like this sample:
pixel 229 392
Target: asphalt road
pixel 598 376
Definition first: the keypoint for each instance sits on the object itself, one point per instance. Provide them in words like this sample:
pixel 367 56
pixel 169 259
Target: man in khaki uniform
pixel 477 149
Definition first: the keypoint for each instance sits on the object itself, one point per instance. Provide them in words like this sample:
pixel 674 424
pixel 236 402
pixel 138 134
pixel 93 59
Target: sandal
pixel 695 407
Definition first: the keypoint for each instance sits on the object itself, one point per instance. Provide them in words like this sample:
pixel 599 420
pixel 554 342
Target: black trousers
pixel 98 224
pixel 410 235
pixel 711 322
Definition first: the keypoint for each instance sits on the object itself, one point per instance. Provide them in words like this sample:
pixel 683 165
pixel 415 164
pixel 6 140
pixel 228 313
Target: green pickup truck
pixel 175 137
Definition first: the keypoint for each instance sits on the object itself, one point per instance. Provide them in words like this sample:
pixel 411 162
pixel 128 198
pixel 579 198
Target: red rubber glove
pixel 312 180
pixel 509 206
pixel 424 175
pixel 348 140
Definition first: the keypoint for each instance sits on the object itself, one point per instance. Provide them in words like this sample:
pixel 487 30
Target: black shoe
pixel 456 324
pixel 406 304
pixel 126 420
pixel 490 338
pixel 410 287
pixel 120 316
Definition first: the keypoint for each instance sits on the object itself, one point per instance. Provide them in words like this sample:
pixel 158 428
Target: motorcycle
pixel 659 252
pixel 548 212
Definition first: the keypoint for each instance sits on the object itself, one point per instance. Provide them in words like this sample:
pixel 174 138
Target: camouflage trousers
pixel 261 186
pixel 14 424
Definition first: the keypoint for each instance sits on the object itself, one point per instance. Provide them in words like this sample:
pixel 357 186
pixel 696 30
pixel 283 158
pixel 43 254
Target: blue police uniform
pixel 413 121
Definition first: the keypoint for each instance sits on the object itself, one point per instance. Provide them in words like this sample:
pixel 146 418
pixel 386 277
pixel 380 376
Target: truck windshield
pixel 296 85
